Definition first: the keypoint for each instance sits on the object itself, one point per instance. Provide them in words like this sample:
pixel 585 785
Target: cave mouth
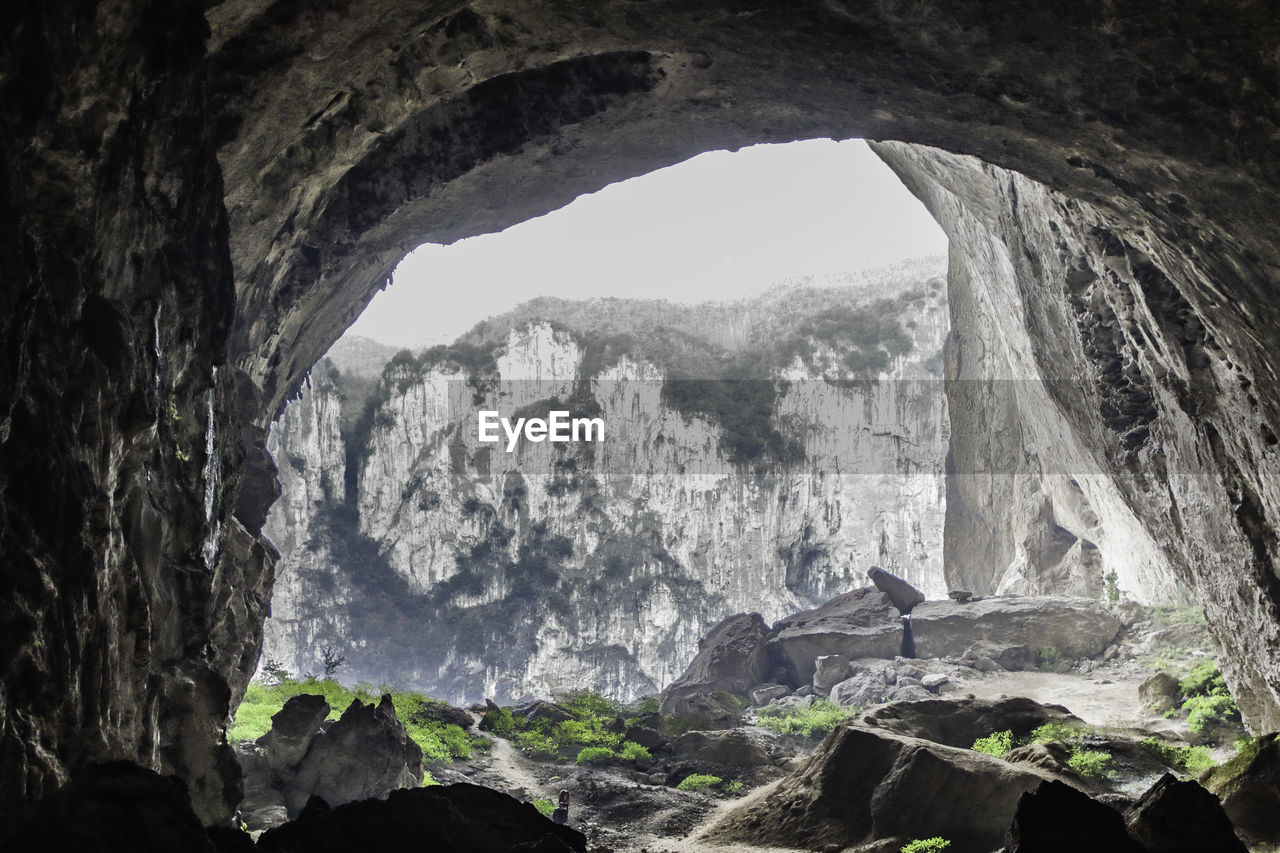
pixel 776 313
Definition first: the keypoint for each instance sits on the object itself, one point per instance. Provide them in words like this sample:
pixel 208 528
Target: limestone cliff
pixel 473 571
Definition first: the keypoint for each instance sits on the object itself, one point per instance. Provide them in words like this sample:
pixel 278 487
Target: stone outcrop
pixel 858 624
pixel 1251 794
pixel 366 753
pixel 450 818
pixel 733 658
pixel 192 186
pixel 959 722
pixel 862 785
pixel 1014 629
pixel 1056 818
pixel 903 595
pixel 1181 817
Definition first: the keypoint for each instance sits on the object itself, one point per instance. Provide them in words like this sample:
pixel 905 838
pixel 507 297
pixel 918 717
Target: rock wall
pixel 508 574
pixel 1113 385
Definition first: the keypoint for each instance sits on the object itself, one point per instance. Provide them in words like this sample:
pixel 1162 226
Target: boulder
pixel 766 693
pixel 828 671
pixel 733 658
pixel 903 595
pixel 869 683
pixel 1159 693
pixel 1057 818
pixel 1251 794
pixel 862 785
pixel 292 729
pixel 541 709
pixel 1181 817
pixel 457 818
pixel 859 624
pixel 718 710
pixel 645 736
pixel 743 747
pixel 935 682
pixel 367 753
pixel 960 596
pixel 959 722
pixel 1012 630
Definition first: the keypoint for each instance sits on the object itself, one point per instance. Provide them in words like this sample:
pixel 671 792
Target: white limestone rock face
pixel 471 571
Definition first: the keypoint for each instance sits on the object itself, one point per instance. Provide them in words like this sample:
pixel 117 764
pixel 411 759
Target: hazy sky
pixel 714 227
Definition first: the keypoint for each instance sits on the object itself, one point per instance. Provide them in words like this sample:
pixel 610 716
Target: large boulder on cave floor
pixel 1057 818
pixel 1014 629
pixel 959 722
pixel 749 746
pixel 440 818
pixel 293 728
pixel 903 595
pixel 366 753
pixel 1181 817
pixel 859 624
pixel 864 785
pixel 732 658
pixel 1249 789
pixel 109 808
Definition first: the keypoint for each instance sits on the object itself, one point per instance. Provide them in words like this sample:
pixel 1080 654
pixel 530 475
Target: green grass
pixel 1205 696
pixel 542 737
pixel 440 742
pixel 996 744
pixel 1059 733
pixel 544 806
pixel 812 722
pixel 698 781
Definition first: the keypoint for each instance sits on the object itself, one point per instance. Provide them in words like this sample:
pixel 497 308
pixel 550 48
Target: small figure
pixel 561 814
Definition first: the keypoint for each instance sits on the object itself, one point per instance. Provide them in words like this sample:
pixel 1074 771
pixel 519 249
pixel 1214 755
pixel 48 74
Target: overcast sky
pixel 715 227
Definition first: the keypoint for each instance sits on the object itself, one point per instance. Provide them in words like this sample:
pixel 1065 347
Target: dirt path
pixel 695 841
pixel 516 771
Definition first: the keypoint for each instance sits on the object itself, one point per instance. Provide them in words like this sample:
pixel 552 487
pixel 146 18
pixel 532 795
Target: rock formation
pixel 748 463
pixel 199 197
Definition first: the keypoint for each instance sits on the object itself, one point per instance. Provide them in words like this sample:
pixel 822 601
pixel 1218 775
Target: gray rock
pixel 733 658
pixel 863 784
pixel 1251 796
pixel 829 670
pixel 744 747
pixel 293 728
pixel 766 693
pixel 934 682
pixel 908 681
pixel 1177 817
pixel 959 596
pixel 859 624
pixel 365 754
pixel 1159 693
pixel 903 595
pixel 959 722
pixel 870 683
pixel 1014 628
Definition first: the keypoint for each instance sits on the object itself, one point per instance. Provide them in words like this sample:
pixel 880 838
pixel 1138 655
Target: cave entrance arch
pixel 256 170
pixel 1094 236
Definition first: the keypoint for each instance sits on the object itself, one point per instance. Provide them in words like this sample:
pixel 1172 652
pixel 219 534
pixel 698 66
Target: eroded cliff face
pixel 503 574
pixel 1117 383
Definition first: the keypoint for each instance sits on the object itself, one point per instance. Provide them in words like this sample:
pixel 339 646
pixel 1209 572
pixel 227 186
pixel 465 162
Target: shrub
pixel 927 845
pixel 1048 658
pixel 1090 762
pixel 1058 733
pixel 697 781
pixel 1193 759
pixel 1112 580
pixel 1206 697
pixel 733 788
pixel 996 744
pixel 812 722
pixel 632 751
pixel 596 755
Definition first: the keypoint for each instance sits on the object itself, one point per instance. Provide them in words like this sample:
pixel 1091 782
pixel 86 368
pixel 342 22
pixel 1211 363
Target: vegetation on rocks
pixel 1193 759
pixel 996 744
pixel 1205 697
pixel 927 845
pixel 698 781
pixel 439 741
pixel 811 722
pixel 585 738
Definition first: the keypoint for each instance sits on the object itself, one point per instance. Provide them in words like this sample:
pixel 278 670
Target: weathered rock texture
pixel 748 461
pixel 177 198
